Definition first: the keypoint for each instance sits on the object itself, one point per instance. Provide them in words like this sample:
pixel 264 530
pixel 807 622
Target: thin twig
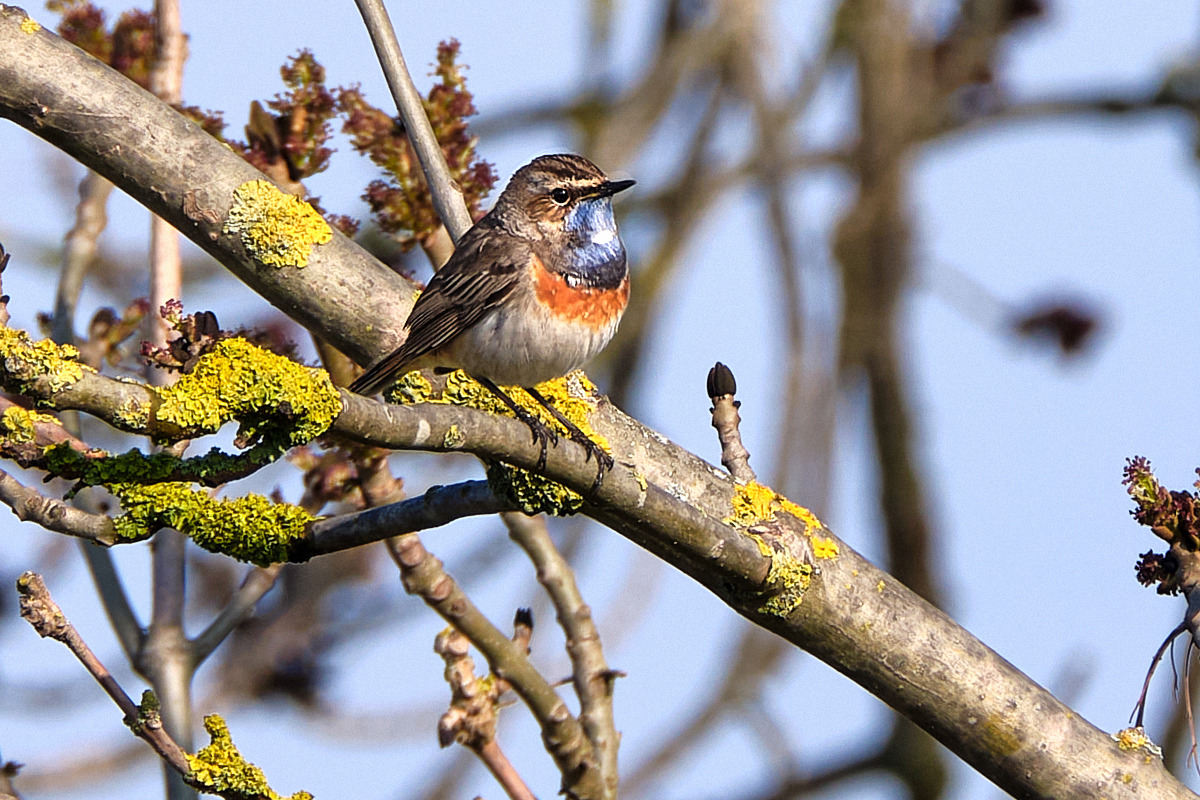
pixel 592 678
pixel 79 253
pixel 165 658
pixel 1139 708
pixel 472 716
pixel 257 583
pixel 40 610
pixel 55 515
pixel 447 197
pixel 505 773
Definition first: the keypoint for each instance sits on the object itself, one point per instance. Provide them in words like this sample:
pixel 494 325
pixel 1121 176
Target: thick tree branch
pixel 125 134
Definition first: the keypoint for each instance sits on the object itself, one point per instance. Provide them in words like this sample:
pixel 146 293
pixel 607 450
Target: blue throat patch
pixel 594 252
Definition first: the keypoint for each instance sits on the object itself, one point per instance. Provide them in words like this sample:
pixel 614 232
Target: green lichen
pixel 100 469
pixel 149 712
pixel 276 400
pixel 20 425
pixel 221 769
pixel 249 528
pixel 573 395
pixel 532 493
pixel 278 229
pixel 23 360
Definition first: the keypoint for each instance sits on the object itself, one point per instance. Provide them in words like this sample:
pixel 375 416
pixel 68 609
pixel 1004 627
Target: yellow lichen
pixel 249 528
pixel 754 503
pixel 824 547
pixel 133 414
pixel 30 25
pixel 1135 738
pixel 19 424
pixel 411 389
pixel 879 587
pixel 787 579
pixel 454 438
pixel 277 228
pixel 221 769
pixel 574 397
pixel 262 390
pixel 23 360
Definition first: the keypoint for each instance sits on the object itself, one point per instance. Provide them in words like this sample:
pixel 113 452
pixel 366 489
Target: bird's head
pixel 563 198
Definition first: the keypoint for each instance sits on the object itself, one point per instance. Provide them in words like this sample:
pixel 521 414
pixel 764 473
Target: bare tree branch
pixel 55 515
pixel 40 610
pixel 592 679
pixel 447 197
pixel 563 736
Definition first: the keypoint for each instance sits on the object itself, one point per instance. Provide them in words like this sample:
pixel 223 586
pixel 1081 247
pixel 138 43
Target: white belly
pixel 524 347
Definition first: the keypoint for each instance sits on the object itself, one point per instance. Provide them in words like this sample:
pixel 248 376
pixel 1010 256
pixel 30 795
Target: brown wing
pixel 480 274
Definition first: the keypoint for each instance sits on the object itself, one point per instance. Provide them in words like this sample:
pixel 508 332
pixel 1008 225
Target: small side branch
pixel 447 197
pixel 33 506
pixel 440 505
pixel 725 418
pixel 471 718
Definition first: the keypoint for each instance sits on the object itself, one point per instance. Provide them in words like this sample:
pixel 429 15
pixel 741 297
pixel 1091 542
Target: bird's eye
pixel 560 196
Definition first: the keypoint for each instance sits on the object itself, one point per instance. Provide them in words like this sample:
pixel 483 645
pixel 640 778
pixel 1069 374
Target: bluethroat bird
pixel 533 290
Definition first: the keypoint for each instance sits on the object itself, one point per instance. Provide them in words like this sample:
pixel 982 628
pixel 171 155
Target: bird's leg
pixel 604 462
pixel 542 434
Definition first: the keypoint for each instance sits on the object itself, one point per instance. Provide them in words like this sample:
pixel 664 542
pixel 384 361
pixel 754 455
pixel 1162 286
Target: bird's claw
pixel 604 462
pixel 543 435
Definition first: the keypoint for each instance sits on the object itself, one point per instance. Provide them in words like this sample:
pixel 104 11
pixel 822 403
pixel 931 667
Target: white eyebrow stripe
pixel 603 237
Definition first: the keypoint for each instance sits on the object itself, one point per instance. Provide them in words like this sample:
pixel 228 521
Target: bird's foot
pixel 604 462
pixel 543 434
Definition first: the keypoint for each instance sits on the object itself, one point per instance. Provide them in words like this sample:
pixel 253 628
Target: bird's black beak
pixel 609 188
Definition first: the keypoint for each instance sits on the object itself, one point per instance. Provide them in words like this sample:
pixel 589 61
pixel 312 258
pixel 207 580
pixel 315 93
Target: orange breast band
pixel 596 308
